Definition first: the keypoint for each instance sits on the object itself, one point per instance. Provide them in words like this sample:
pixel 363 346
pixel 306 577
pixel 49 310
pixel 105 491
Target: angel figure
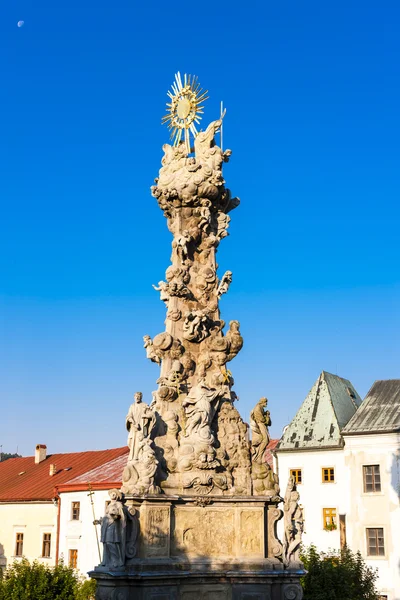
pixel 224 283
pixel 181 243
pixel 260 420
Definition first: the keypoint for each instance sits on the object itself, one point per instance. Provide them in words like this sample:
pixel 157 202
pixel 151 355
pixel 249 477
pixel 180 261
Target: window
pixel 375 541
pixel 73 559
pixel 19 544
pixel 76 509
pixel 329 516
pixel 328 475
pixel 46 545
pixel 372 478
pixel 296 474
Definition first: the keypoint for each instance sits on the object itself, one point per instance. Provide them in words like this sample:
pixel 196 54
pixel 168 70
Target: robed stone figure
pixel 139 423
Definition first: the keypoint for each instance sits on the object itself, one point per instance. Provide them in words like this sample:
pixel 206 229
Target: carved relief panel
pixel 157 531
pixel 204 532
pixel 251 533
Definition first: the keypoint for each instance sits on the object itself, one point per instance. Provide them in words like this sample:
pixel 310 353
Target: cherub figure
pixel 224 283
pixel 163 288
pixel 181 244
pixel 150 352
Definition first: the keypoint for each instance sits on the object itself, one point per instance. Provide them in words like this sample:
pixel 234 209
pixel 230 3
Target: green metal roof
pixel 330 404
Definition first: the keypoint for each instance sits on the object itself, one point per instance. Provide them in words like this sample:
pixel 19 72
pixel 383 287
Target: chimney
pixel 53 469
pixel 40 453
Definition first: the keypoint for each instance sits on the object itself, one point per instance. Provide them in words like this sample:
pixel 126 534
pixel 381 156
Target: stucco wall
pixel 33 520
pixel 315 495
pixel 81 535
pixel 378 509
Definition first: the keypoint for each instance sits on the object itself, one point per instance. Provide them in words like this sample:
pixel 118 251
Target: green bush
pixel 35 581
pixel 87 590
pixel 341 575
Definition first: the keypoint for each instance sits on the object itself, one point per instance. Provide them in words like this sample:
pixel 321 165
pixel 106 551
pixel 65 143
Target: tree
pixel 5 455
pixel 36 581
pixel 341 575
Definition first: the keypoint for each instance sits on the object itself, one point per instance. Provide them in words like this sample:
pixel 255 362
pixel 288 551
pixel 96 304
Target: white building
pixel 345 460
pixel 372 460
pixel 79 538
pixel 30 509
pixel 311 450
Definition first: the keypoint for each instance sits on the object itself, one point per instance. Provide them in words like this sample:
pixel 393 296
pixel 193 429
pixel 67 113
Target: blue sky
pixel 312 95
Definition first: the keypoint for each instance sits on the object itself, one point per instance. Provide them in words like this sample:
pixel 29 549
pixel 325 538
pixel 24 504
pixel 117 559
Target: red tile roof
pixel 22 480
pixel 268 452
pixel 103 477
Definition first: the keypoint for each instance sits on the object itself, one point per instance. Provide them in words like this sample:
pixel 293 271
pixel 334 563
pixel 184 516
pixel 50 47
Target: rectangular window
pixel 328 475
pixel 73 559
pixel 329 519
pixel 76 509
pixel 46 545
pixel 375 541
pixel 296 474
pixel 19 544
pixel 372 478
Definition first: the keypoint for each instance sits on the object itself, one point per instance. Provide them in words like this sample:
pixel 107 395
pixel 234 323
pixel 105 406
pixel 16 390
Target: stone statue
pixel 181 244
pixel 119 531
pixel 260 420
pixel 200 408
pixel 139 474
pixel 139 422
pixel 293 524
pixel 235 339
pixel 207 499
pixel 150 352
pixel 265 481
pixel 224 283
pixel 196 326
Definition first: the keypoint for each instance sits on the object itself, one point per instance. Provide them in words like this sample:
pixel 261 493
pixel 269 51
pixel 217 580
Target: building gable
pixel 331 402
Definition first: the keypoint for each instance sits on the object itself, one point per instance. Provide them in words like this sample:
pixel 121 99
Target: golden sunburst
pixel 185 109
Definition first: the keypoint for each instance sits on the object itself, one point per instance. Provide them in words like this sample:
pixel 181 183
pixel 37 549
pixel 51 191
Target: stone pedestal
pixel 214 548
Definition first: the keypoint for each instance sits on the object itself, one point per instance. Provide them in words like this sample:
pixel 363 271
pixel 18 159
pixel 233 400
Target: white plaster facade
pixel 80 534
pixel 314 494
pixel 375 509
pixel 33 519
pixel 371 437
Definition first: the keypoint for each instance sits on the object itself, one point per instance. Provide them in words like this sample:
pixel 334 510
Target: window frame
pixel 46 543
pixel 74 509
pixel 294 473
pixel 18 543
pixel 331 513
pixel 373 474
pixel 329 474
pixel 375 556
pixel 73 558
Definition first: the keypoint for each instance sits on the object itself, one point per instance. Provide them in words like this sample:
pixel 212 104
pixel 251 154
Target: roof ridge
pixel 67 453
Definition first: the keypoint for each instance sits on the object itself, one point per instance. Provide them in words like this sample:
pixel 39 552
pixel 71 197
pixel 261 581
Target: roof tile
pixel 23 480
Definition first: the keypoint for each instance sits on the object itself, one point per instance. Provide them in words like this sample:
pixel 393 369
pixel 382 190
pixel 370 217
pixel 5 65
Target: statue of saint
pixel 293 519
pixel 139 423
pixel 260 420
pixel 117 537
pixel 200 408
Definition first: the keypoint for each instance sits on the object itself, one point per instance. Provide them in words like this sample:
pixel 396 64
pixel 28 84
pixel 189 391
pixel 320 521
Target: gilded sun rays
pixel 185 108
